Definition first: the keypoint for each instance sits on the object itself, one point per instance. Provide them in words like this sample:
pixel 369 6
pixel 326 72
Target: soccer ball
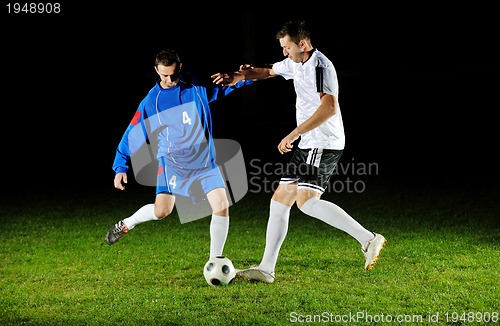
pixel 219 271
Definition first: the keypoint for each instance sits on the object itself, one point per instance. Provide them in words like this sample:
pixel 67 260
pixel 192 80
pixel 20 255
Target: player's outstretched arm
pixel 227 79
pixel 246 72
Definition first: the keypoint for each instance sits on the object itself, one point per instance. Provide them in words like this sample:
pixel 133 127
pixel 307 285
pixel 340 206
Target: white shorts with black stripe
pixel 311 168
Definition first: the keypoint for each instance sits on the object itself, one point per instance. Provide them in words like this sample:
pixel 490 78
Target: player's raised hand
pixel 220 78
pixel 120 180
pixel 227 79
pixel 246 66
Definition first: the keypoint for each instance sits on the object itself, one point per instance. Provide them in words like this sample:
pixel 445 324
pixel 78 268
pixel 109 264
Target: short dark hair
pixel 297 30
pixel 167 57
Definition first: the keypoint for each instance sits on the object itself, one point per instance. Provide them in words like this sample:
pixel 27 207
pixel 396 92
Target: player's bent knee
pixel 305 204
pixel 301 201
pixel 220 206
pixel 161 213
pixel 221 212
pixel 304 196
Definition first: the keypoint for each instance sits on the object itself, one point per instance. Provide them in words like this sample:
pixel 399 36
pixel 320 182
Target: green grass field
pixel 440 265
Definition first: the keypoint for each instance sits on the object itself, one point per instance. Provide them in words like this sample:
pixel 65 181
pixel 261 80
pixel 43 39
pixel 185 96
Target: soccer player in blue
pixel 174 119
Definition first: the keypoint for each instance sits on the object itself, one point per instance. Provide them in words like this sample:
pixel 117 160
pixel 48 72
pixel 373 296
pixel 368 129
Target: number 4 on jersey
pixel 173 182
pixel 186 118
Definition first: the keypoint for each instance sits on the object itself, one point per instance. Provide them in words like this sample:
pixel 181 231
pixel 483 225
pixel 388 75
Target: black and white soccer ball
pixel 219 271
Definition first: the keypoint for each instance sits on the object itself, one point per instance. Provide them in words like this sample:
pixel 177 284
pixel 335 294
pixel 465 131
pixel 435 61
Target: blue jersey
pixel 176 124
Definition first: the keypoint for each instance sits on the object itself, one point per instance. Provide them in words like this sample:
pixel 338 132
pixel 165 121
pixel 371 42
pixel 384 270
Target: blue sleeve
pixel 122 155
pixel 218 92
pixel 123 152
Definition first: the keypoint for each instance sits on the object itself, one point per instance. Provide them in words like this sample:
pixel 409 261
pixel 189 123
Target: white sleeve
pixel 283 68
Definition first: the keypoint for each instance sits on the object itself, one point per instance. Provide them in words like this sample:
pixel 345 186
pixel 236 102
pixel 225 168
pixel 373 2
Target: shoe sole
pixel 254 275
pixel 109 239
pixel 110 236
pixel 375 260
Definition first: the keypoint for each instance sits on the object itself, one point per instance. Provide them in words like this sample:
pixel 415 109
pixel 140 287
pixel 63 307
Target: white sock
pixel 277 228
pixel 335 216
pixel 219 228
pixel 143 214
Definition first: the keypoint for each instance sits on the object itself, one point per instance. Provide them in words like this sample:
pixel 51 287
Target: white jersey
pixel 329 135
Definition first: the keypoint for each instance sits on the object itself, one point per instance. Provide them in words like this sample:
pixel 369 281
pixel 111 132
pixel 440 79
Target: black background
pixel 418 84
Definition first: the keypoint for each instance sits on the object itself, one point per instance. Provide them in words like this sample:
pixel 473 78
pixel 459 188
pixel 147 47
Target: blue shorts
pixel 174 180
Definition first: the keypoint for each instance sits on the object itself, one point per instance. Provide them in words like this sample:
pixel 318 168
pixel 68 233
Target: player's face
pixel 291 49
pixel 169 75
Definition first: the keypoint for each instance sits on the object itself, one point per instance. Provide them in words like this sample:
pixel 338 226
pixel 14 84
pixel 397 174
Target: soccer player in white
pixel 321 132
